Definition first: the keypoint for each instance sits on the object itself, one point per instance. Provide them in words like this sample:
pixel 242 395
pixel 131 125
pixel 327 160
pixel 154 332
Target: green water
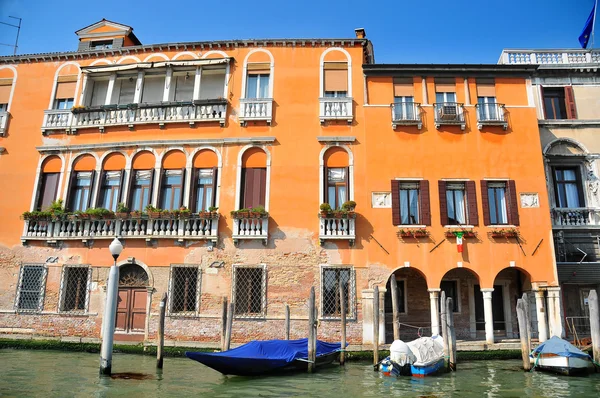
pixel 58 374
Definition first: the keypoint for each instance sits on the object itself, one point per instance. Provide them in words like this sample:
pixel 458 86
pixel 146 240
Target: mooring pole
pixel 311 331
pixel 110 310
pixel 444 326
pixel 394 286
pixel 523 334
pixel 287 322
pixel 594 325
pixel 527 320
pixel 160 335
pixel 451 333
pixel 375 327
pixel 343 324
pixel 223 322
pixel 229 326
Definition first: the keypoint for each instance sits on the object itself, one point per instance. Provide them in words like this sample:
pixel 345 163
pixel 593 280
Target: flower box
pixel 154 214
pixel 121 215
pixel 466 233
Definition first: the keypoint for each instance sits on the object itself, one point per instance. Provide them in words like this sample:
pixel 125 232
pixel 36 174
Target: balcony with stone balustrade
pixel 4 116
pixel 563 57
pixel 575 218
pixel 336 108
pixel 256 110
pixel 334 228
pixel 251 228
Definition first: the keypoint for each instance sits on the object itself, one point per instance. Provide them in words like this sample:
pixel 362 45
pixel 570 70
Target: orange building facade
pixel 210 162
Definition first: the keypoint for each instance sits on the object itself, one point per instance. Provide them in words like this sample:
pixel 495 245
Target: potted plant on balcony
pixel 100 213
pixel 325 210
pixel 184 212
pixel 135 214
pixel 349 207
pixel 241 213
pixel 36 215
pixel 420 233
pixel 405 233
pixel 466 233
pixel 259 212
pixel 122 211
pixel 340 213
pixel 57 210
pixel 153 212
pixel 511 233
pixel 213 212
pixel 78 109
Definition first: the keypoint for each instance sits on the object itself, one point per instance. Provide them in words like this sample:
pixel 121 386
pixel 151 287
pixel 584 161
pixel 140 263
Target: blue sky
pixel 436 31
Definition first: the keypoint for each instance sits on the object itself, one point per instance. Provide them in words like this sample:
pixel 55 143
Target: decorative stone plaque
pixel 529 200
pixel 381 200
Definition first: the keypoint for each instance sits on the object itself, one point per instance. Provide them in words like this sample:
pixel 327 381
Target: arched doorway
pixel 509 286
pixel 462 284
pixel 130 323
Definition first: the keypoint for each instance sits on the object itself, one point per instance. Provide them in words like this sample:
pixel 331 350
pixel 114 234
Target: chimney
pixel 360 33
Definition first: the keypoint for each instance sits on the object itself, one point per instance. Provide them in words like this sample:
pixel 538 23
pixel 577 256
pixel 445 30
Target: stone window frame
pixel 42 288
pixel 351 311
pixel 63 287
pixel 234 271
pixel 184 314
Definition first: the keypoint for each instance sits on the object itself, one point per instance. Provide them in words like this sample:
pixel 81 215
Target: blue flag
pixel 586 33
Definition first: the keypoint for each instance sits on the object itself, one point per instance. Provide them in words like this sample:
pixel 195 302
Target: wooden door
pixel 122 310
pixel 131 310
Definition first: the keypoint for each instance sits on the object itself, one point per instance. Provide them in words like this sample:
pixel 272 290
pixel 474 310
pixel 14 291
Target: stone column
pixel 150 290
pixel 554 312
pixel 367 316
pixel 488 314
pixel 434 305
pixel 541 315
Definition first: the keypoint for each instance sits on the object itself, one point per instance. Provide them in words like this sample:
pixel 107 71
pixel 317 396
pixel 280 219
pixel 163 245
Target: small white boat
pixel 419 358
pixel 559 356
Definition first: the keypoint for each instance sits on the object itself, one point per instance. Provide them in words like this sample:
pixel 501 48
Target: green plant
pixel 260 210
pixel 325 207
pixel 153 209
pixel 241 213
pixel 213 209
pixel 121 208
pixel 99 212
pixel 349 205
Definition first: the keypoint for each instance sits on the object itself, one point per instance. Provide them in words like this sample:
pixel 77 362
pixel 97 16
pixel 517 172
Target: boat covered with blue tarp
pixel 559 356
pixel 266 356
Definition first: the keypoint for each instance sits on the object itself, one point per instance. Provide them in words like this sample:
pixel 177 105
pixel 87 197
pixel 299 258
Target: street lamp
pixel 110 310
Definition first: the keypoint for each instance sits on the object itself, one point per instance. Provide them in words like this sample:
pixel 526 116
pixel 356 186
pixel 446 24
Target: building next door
pixel 130 322
pixel 497 309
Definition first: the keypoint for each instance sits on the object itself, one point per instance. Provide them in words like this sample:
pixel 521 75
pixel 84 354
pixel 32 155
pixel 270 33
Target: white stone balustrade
pixel 337 228
pixel 57 119
pixel 3 122
pixel 335 108
pixel 256 109
pixel 575 217
pixel 406 114
pixel 549 57
pixel 250 228
pixel 145 228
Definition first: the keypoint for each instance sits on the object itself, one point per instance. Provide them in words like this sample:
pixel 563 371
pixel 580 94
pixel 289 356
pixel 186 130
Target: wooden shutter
pixel 121 186
pixel 92 177
pixel 325 185
pixel 194 190
pixel 347 182
pixel 248 179
pixel 485 204
pixel 100 184
pixel 214 181
pixel 68 198
pixel 513 206
pixel 443 203
pixel 425 216
pixel 132 181
pixel 162 176
pixel 570 103
pixel 472 203
pixel 49 186
pixel 178 205
pixel 260 187
pixel 396 202
pixel 151 190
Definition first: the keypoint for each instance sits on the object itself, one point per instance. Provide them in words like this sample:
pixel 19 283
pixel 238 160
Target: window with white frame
pixel 456 201
pixel 80 194
pixel 124 90
pixel 98 90
pixel 31 288
pixel 250 291
pixel 74 288
pixel 409 203
pixel 110 189
pixel 497 202
pixel 212 83
pixel 568 188
pixel 141 188
pixel 331 278
pixel 154 88
pixel 184 289
pixel 183 84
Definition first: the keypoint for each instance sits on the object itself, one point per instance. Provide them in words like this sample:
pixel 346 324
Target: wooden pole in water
pixel 451 333
pixel 394 286
pixel 160 335
pixel 594 324
pixel 527 320
pixel 311 331
pixel 444 326
pixel 343 325
pixel 376 326
pixel 523 334
pixel 287 322
pixel 223 322
pixel 229 326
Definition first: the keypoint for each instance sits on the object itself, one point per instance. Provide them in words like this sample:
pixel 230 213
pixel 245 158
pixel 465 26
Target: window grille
pixel 184 290
pixel 250 291
pixel 74 288
pixel 31 288
pixel 331 277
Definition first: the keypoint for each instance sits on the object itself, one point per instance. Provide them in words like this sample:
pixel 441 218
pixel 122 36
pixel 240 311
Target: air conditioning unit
pixel 448 112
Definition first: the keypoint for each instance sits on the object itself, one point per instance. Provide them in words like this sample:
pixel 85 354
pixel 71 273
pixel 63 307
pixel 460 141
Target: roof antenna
pixel 16 45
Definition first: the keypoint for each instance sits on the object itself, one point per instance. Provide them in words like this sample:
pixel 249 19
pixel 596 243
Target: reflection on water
pixel 58 374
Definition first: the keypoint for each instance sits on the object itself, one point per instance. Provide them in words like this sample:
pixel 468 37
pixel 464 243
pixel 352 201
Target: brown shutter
pixel 93 174
pixel 214 182
pixel 443 203
pixel 150 192
pixel 570 103
pixel 49 187
pixel 485 204
pixel 100 184
pixel 121 186
pixel 132 181
pixel 178 205
pixel 161 181
pixel 347 182
pixel 261 181
pixel 424 202
pixel 68 198
pixel 396 202
pixel 472 203
pixel 513 207
pixel 246 200
pixel 194 190
pixel 325 186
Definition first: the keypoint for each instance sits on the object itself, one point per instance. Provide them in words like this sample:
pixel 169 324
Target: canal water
pixel 58 374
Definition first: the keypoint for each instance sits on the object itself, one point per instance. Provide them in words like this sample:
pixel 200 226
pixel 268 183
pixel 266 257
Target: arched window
pixel 254 178
pixel 66 86
pixel 335 72
pixel 48 184
pixel 79 194
pixel 141 181
pixel 171 182
pixel 336 177
pixel 111 181
pixel 204 180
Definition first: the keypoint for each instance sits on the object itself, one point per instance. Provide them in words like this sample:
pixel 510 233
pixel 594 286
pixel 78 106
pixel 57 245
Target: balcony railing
pixel 406 114
pixel 332 228
pixel 335 108
pixel 449 113
pixel 57 119
pixel 492 114
pixel 3 122
pixel 549 57
pixel 142 228
pixel 256 109
pixel 575 217
pixel 250 228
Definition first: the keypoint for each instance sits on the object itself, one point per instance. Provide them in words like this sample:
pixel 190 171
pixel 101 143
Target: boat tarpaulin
pixel 561 347
pixel 258 357
pixel 427 349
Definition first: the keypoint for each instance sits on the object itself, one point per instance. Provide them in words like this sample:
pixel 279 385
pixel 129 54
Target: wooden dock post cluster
pixel 524 331
pixel 449 330
pixel 312 331
pixel 594 324
pixel 287 322
pixel 376 327
pixel 160 334
pixel 396 324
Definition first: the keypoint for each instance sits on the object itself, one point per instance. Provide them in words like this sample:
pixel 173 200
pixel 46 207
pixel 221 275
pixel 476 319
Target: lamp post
pixel 110 310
